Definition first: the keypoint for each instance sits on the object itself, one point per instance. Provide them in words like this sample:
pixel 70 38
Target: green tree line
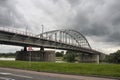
pixel 114 57
pixel 7 54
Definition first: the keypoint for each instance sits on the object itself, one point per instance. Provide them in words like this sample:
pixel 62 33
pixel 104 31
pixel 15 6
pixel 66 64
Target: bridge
pixel 56 39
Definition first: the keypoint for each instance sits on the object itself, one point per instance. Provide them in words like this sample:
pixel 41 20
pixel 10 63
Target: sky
pixel 97 20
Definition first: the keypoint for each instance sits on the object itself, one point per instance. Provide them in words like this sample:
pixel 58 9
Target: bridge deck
pixel 25 39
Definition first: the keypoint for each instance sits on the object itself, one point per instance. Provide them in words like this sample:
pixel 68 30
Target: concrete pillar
pixel 42 49
pixel 25 48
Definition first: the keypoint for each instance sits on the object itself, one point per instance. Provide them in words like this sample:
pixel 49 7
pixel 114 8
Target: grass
pixel 110 70
pixel 59 58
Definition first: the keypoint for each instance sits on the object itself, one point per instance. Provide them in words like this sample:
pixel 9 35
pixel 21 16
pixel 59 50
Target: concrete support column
pixel 42 49
pixel 25 48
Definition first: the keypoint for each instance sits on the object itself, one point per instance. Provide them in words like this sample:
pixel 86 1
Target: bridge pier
pixel 45 56
pixel 92 58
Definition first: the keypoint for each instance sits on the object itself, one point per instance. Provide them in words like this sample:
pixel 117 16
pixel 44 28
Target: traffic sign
pixel 30 48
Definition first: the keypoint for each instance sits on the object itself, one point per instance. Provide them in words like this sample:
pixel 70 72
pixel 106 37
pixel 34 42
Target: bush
pixel 59 54
pixel 69 57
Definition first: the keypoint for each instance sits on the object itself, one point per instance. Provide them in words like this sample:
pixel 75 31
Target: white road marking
pixel 5 73
pixel 10 74
pixel 4 78
pixel 21 76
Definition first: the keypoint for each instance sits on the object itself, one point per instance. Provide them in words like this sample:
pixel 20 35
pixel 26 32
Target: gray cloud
pixel 74 3
pixel 99 18
pixel 9 16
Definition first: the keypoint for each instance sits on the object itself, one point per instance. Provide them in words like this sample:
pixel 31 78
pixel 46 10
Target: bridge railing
pixel 26 33
pixel 13 30
pixel 32 35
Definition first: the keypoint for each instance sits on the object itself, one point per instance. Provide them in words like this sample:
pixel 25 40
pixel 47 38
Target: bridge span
pixel 56 39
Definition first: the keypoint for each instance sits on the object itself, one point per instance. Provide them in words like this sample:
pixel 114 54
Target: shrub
pixel 69 57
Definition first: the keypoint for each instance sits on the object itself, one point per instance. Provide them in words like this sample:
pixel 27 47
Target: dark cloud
pixel 97 30
pixel 74 3
pixel 99 18
pixel 4 13
pixel 9 15
pixel 115 37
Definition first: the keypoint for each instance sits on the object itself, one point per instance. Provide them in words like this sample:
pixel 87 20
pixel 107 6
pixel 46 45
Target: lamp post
pixel 42 30
pixel 26 30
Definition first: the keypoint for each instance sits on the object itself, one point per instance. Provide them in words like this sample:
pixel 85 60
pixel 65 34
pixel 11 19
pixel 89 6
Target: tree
pixel 59 54
pixel 114 57
pixel 69 56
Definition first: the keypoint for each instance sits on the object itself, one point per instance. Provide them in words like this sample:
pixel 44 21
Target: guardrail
pixel 16 31
pixel 13 30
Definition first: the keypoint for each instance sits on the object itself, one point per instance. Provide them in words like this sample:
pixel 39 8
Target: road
pixel 16 74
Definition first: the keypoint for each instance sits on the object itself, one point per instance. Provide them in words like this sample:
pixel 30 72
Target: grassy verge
pixel 59 58
pixel 112 70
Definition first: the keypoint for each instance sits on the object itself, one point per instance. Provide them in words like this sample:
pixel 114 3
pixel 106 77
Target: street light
pixel 26 29
pixel 42 30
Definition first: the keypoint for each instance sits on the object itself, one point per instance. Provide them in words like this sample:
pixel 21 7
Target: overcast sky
pixel 97 20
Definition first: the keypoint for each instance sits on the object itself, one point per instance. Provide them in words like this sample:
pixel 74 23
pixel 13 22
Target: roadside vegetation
pixel 113 57
pixel 68 57
pixel 110 70
pixel 73 57
pixel 59 56
pixel 7 55
pixel 111 67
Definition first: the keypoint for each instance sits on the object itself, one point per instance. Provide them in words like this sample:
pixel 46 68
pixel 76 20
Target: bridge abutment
pixel 45 56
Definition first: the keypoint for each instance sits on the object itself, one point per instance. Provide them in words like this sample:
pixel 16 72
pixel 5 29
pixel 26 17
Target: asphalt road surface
pixel 16 74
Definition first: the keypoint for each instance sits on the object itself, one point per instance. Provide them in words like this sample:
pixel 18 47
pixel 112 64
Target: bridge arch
pixel 70 37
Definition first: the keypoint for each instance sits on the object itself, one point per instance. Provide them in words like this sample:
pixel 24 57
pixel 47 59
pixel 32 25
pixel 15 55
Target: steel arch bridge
pixel 57 39
pixel 70 37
